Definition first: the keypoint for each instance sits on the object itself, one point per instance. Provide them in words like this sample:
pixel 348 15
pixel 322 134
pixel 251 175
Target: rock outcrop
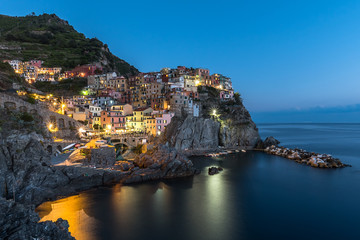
pixel 160 162
pixel 214 170
pixel 269 141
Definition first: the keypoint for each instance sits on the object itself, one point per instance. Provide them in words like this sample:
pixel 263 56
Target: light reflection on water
pixel 71 209
pixel 135 211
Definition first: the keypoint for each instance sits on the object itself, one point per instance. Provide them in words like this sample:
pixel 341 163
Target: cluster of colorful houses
pixel 33 71
pixel 144 103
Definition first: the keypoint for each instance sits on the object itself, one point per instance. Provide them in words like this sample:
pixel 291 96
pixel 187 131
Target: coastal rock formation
pixel 18 221
pixel 214 170
pixel 269 141
pixel 316 160
pixel 160 162
pixel 24 167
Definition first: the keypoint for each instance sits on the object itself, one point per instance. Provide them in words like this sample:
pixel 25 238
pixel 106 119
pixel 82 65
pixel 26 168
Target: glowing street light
pixel 62 108
pixel 108 128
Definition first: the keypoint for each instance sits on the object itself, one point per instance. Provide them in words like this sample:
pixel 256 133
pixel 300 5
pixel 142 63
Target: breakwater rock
pixel 161 162
pixel 309 158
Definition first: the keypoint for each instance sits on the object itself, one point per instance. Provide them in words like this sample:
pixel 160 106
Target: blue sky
pixel 280 54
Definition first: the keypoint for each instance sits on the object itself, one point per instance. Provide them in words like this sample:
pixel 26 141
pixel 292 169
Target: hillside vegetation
pixel 8 77
pixel 49 38
pixel 67 87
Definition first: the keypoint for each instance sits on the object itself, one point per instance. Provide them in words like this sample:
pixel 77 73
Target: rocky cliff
pixel 227 124
pixel 193 133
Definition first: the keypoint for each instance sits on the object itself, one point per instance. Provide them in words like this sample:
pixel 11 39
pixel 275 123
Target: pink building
pixel 36 63
pixel 162 120
pixel 226 95
pixel 114 119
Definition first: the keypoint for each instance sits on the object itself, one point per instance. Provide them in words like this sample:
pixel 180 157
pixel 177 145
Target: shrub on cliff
pixel 237 97
pixel 26 117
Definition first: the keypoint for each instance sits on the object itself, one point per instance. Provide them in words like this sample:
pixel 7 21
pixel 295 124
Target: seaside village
pixel 115 105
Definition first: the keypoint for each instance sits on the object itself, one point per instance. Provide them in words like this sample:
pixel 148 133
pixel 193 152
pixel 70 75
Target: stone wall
pixel 131 140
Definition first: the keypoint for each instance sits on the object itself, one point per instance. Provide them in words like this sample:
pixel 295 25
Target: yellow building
pixel 136 122
pixel 150 126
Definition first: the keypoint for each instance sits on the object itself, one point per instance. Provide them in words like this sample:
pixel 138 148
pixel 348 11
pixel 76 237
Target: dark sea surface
pixel 257 196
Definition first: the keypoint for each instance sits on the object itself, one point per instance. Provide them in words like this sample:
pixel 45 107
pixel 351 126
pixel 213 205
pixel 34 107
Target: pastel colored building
pixel 226 95
pixel 162 120
pixel 113 121
pixel 136 121
pixel 125 109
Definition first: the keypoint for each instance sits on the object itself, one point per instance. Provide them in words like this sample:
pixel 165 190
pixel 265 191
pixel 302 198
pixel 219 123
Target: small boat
pixel 69 146
pixel 243 150
pixel 237 151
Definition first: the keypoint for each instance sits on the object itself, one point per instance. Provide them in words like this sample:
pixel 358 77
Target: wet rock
pixel 214 170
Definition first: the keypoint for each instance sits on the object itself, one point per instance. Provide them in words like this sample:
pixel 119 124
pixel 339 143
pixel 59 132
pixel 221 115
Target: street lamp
pixel 62 108
pixel 81 131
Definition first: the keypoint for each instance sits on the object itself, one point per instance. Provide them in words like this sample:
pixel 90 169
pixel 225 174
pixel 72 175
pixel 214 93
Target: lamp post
pixel 109 128
pixel 62 109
